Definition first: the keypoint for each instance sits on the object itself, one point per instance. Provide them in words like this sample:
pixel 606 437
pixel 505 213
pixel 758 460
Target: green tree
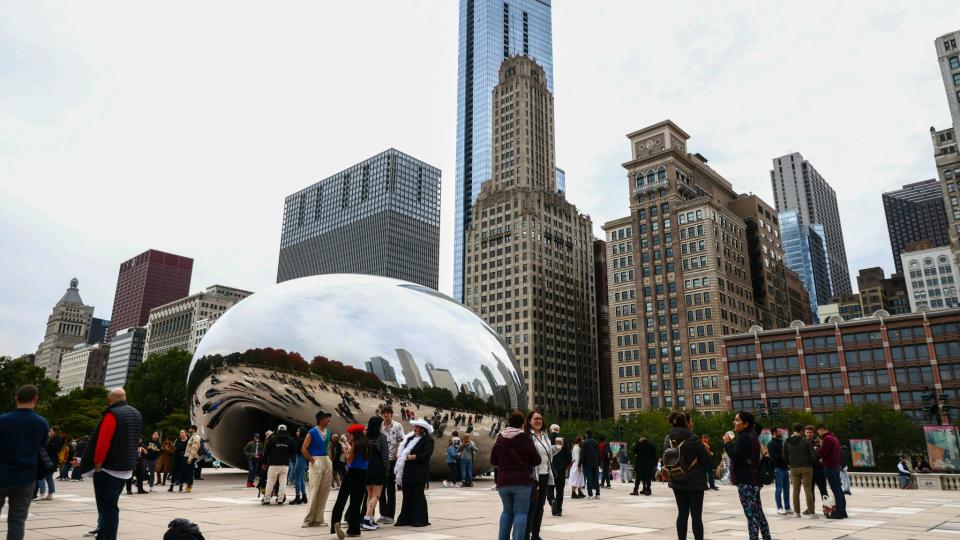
pixel 893 433
pixel 158 386
pixel 76 412
pixel 170 426
pixel 16 373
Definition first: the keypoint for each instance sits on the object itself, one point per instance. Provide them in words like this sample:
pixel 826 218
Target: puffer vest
pixel 122 455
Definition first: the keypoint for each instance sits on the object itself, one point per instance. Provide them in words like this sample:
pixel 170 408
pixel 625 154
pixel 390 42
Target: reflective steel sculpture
pixel 349 344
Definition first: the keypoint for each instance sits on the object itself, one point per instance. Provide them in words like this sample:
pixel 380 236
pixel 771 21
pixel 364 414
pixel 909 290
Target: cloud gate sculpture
pixel 350 344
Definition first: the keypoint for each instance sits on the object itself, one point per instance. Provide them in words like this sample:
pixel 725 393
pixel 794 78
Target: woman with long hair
pixel 744 452
pixel 542 473
pixel 468 449
pixel 179 461
pixel 339 469
pixel 352 487
pixel 165 461
pixel 413 473
pixel 576 480
pixel 515 457
pixel 379 462
pixel 689 477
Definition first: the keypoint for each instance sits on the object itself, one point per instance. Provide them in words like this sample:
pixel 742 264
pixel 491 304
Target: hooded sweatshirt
pixel 515 457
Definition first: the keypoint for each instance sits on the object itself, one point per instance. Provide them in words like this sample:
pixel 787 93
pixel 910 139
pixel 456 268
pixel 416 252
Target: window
pixel 954 62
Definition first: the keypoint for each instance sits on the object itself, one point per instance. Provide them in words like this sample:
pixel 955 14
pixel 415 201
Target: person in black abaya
pixel 415 453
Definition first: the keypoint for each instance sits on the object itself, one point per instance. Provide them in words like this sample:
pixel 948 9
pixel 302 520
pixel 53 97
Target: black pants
pixel 689 503
pixel 353 488
pixel 642 478
pixel 820 479
pixel 711 474
pixel 388 496
pixel 556 502
pixel 107 489
pixel 535 514
pixel 605 478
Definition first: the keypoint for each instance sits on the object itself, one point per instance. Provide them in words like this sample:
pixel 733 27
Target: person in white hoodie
pixel 543 473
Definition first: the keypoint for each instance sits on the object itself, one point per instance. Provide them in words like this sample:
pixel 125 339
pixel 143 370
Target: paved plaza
pixel 224 509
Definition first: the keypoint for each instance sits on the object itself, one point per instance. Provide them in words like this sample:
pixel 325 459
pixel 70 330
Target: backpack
pixel 765 470
pixel 673 462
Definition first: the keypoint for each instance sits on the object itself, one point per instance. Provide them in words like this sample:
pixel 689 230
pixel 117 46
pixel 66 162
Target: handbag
pixel 45 466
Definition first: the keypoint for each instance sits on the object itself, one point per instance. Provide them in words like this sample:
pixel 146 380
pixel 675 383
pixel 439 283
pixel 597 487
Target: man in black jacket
pixel 590 463
pixel 111 453
pixel 781 494
pixel 280 448
pixel 562 458
pixel 800 457
pixel 645 463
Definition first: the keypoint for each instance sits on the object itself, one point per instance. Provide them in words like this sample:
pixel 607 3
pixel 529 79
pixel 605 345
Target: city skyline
pixel 248 176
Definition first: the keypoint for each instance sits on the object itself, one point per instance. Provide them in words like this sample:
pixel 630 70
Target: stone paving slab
pixel 225 509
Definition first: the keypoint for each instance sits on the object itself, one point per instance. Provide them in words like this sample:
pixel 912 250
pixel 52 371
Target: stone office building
pixel 528 262
pixel 821 368
pixel 678 274
pixel 83 367
pixel 176 325
pixel 67 326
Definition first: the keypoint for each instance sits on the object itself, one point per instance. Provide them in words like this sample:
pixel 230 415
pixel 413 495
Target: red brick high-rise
pixel 150 279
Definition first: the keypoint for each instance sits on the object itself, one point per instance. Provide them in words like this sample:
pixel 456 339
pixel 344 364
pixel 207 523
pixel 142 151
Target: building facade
pixel 126 353
pixel 381 367
pixel 767 268
pixel 67 326
pixel 821 368
pixel 805 252
pixel 529 254
pixel 178 324
pixel 931 278
pixel 150 279
pixel 799 298
pixel 945 151
pixel 84 366
pixel 798 186
pixel 679 277
pixel 914 213
pixel 99 328
pixel 379 217
pixel 603 328
pixel 879 292
pixel 490 32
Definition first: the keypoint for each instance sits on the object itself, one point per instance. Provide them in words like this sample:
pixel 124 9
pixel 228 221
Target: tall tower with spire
pixel 68 325
pixel 528 257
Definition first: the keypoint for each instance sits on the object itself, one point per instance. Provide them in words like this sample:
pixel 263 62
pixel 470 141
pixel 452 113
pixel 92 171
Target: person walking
pixel 277 453
pixel 151 456
pixel 829 453
pixel 25 433
pixel 378 459
pixel 605 457
pixel 799 456
pixel 352 489
pixel 590 462
pixel 561 466
pixel 179 447
pixel 253 450
pixel 393 431
pixel 45 485
pixel 576 480
pixel 846 461
pixel 112 455
pixel 468 450
pixel 645 459
pixel 514 456
pixel 623 459
pixel 300 469
pixel 191 456
pixel 781 476
pixel 138 471
pixel 450 459
pixel 542 473
pixel 709 466
pixel 413 473
pixel 744 451
pixel 319 469
pixel 903 473
pixel 689 479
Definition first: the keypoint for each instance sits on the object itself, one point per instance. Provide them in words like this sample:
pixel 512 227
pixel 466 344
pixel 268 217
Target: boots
pixel 296 499
pixel 303 499
pixel 189 488
pixel 171 488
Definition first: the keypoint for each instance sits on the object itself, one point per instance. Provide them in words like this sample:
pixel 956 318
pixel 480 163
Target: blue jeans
pixel 299 474
pixel 251 469
pixel 516 503
pixel 833 479
pixel 466 470
pixel 107 489
pixel 781 494
pixel 47 482
pixel 590 474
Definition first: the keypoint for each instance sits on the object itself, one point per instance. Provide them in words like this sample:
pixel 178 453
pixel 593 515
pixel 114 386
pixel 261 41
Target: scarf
pixel 409 441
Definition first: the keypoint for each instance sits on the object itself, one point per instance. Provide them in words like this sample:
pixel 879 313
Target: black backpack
pixel 674 463
pixel 765 470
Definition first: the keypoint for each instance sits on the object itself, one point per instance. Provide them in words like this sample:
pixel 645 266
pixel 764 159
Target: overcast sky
pixel 181 126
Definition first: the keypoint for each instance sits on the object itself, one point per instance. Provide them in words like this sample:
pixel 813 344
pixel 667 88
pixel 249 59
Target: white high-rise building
pixel 931 278
pixel 798 186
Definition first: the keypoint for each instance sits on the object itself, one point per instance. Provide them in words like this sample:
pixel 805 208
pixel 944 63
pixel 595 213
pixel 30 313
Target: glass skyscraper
pixel 805 252
pixel 490 31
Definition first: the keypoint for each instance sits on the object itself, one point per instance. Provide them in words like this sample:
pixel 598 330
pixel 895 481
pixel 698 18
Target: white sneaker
pixel 47 497
pixel 446 484
pixel 781 511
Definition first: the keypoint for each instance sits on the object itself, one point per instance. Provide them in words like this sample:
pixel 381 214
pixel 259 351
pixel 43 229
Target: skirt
pixel 413 509
pixel 576 479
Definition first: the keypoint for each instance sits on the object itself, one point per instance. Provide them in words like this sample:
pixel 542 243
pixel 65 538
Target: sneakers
pixel 92 533
pixel 189 489
pixel 265 502
pixel 47 497
pixel 338 528
pixel 446 484
pixel 385 520
pixel 249 484
pixel 368 525
pixel 781 511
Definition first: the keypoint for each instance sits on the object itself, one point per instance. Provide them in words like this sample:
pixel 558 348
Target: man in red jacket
pixel 829 453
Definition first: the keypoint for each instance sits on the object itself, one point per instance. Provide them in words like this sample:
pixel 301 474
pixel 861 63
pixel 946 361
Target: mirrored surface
pixel 350 344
